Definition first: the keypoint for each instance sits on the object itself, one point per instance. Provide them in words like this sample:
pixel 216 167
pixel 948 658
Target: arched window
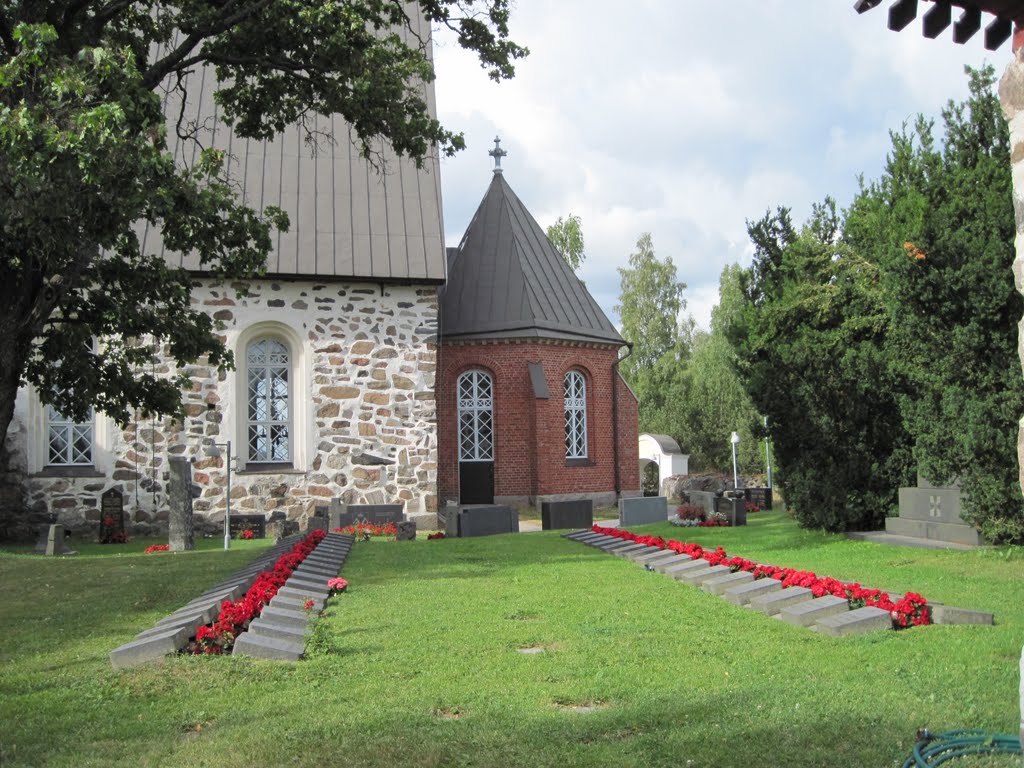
pixel 575 416
pixel 476 416
pixel 68 443
pixel 268 366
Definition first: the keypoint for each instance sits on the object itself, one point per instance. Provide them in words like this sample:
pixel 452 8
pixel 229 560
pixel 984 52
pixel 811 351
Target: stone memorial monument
pixel 179 492
pixel 932 511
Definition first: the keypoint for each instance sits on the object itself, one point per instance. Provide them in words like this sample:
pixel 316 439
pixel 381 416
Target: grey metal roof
pixel 347 220
pixel 507 281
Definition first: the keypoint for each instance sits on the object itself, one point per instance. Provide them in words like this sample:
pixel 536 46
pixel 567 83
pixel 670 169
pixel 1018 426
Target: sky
pixel 688 119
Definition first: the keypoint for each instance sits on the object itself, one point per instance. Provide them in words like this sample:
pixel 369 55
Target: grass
pixel 419 663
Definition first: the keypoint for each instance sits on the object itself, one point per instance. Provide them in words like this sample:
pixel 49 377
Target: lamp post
pixel 735 440
pixel 215 451
pixel 767 452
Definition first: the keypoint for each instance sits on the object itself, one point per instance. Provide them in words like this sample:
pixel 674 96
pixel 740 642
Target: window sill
pixel 579 463
pixel 68 471
pixel 253 468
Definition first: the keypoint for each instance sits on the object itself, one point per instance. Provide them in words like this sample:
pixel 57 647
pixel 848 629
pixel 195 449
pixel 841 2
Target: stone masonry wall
pixel 363 412
pixel 529 449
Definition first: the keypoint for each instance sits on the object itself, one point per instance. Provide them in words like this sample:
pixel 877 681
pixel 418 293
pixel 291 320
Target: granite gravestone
pixel 567 514
pixel 344 515
pixel 762 497
pixel 932 511
pixel 406 531
pixel 112 528
pixel 238 524
pixel 487 520
pixel 179 499
pixel 643 510
pixel 52 542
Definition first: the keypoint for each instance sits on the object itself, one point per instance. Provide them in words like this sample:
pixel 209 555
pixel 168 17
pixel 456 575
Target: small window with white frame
pixel 268 372
pixel 69 443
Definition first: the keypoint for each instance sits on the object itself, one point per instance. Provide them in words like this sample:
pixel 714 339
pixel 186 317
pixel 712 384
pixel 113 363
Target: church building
pixel 532 405
pixel 353 378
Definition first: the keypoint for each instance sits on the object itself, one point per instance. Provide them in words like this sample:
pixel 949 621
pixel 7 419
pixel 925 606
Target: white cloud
pixel 686 120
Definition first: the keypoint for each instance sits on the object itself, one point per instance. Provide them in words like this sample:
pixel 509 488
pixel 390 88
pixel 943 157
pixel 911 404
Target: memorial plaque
pixel 344 515
pixel 112 529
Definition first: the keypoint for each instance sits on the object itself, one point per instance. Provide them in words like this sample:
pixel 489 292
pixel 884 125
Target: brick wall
pixel 529 447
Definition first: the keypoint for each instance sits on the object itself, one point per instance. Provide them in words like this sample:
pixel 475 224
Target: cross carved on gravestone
pixel 934 506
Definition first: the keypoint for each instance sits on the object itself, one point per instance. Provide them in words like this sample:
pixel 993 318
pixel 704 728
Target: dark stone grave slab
pixel 255 523
pixel 760 496
pixel 112 528
pixel 344 515
pixel 487 520
pixel 555 515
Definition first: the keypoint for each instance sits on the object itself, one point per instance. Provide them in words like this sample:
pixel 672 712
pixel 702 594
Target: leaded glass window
pixel 575 416
pixel 268 366
pixel 476 417
pixel 69 443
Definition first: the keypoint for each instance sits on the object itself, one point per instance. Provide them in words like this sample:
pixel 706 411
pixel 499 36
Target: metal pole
pixel 735 472
pixel 767 452
pixel 227 505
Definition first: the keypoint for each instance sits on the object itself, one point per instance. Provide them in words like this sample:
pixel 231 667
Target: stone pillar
pixel 179 498
pixel 1011 96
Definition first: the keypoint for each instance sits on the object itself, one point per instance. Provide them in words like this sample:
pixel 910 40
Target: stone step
pixel 280 631
pixel 718 586
pixel 857 622
pixel 632 549
pixel 301 593
pixel 947 614
pixel 651 561
pixel 286 616
pixel 264 647
pixel 148 649
pixel 772 603
pixel 293 603
pixel 652 553
pixel 743 594
pixel 675 571
pixel 577 535
pixel 811 611
pixel 697 576
pixel 613 544
pixel 592 539
pixel 923 529
pixel 663 565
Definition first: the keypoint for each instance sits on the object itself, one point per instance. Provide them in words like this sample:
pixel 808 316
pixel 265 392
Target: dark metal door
pixel 476 482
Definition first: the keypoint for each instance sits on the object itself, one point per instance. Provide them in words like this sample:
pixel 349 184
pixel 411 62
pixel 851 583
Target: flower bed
pixel 234 618
pixel 365 530
pixel 156 548
pixel 910 610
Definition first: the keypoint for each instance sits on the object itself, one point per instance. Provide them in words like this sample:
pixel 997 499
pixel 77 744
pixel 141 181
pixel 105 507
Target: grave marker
pixel 643 510
pixel 112 529
pixel 179 492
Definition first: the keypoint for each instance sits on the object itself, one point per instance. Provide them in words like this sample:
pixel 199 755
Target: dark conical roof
pixel 506 280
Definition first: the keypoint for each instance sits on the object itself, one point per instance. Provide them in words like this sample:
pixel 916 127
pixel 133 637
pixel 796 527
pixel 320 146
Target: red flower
pixel 309 605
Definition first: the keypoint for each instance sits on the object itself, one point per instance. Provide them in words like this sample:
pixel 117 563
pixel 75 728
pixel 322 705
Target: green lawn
pixel 419 665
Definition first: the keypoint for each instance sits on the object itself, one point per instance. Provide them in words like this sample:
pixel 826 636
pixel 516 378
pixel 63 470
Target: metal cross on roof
pixel 497 153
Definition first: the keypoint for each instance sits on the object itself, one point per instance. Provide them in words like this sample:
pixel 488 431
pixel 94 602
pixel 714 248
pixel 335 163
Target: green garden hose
pixel 938 748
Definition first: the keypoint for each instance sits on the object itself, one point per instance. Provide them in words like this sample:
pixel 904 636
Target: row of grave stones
pixel 280 631
pixel 828 614
pixel 173 632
